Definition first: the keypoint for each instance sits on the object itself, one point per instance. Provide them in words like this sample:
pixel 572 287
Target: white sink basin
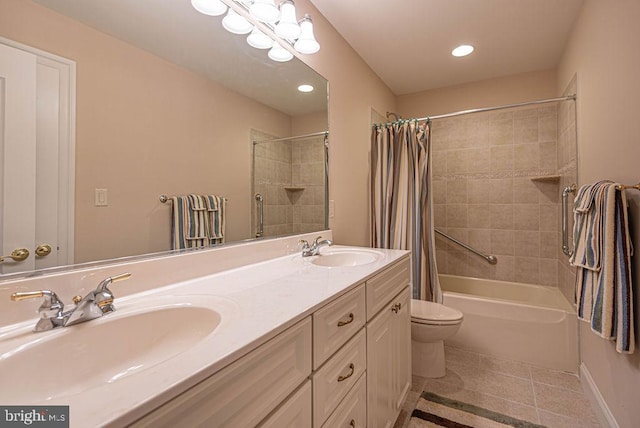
pixel 74 359
pixel 346 257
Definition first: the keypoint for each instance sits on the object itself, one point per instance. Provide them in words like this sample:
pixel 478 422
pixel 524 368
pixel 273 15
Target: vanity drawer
pixel 352 412
pixel 294 413
pixel 336 323
pixel 386 285
pixel 245 392
pixel 334 380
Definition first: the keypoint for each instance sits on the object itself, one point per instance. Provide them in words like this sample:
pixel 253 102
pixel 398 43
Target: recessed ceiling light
pixel 462 50
pixel 305 88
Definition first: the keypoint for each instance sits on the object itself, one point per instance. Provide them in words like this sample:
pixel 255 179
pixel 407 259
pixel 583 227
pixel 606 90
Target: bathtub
pixel 528 323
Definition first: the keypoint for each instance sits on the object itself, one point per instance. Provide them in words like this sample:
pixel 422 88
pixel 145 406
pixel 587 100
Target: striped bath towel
pixel 216 206
pixel 603 257
pixel 192 225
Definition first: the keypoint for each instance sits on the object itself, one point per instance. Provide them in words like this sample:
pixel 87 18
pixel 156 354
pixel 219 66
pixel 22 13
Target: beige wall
pixel 353 90
pixel 144 127
pixel 603 52
pixel 485 93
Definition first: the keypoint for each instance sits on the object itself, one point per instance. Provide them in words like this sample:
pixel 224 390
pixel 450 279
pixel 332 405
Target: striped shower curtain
pixel 401 200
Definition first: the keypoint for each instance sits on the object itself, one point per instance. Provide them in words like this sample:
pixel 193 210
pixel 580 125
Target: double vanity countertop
pixel 161 342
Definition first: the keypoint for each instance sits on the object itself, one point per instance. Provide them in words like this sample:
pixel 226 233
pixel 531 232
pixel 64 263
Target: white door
pixel 18 140
pixel 36 152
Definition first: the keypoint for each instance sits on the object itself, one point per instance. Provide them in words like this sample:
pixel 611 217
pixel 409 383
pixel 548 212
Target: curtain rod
pixel 315 134
pixel 480 110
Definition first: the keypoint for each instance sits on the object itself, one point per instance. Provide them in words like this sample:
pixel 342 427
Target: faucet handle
pixel 303 244
pixel 51 300
pixel 50 311
pixel 102 295
pixel 105 282
pixel 315 241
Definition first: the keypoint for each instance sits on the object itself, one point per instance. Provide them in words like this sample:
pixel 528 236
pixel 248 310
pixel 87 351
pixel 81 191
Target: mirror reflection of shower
pixel 290 184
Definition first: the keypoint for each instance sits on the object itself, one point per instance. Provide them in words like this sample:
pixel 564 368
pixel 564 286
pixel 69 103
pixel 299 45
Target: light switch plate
pixel 101 198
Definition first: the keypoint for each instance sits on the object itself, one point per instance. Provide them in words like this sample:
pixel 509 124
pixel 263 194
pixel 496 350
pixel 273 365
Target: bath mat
pixel 433 410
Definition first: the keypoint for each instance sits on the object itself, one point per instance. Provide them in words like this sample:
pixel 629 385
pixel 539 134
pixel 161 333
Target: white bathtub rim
pixel 509 302
pixel 568 307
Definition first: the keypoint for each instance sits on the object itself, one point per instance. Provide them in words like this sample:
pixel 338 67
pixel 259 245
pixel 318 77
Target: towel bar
pixel 626 186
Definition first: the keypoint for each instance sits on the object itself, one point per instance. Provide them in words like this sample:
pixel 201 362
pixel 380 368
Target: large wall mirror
pixel 161 100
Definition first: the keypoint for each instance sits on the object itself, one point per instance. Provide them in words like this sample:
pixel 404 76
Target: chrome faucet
pixel 314 248
pixel 95 304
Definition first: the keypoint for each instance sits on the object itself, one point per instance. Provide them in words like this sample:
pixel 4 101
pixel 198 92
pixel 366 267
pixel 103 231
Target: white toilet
pixel 431 324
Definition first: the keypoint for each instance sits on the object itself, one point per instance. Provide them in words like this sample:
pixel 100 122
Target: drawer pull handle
pixel 352 369
pixel 396 308
pixel 352 424
pixel 349 321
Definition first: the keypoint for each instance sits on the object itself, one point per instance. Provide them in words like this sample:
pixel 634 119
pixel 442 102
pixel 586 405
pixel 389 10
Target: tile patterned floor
pixel 550 398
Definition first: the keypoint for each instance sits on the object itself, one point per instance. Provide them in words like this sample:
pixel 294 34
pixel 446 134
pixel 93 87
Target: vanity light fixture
pixel 462 50
pixel 279 54
pixel 209 7
pixel 258 16
pixel 265 11
pixel 288 27
pixel 307 43
pixel 236 24
pixel 259 40
pixel 305 88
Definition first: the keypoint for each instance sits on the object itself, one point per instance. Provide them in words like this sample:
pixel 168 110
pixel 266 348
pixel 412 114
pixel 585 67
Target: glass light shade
pixel 307 43
pixel 278 53
pixel 209 7
pixel 287 27
pixel 259 40
pixel 265 11
pixel 236 24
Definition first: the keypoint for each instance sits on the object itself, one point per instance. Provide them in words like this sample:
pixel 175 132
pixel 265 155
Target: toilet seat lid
pixel 433 313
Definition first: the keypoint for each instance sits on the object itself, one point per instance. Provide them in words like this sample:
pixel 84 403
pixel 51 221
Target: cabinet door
pixel 245 392
pixel 380 371
pixel 388 361
pixel 402 347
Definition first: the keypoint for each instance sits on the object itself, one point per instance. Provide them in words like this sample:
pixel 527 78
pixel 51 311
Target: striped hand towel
pixel 216 206
pixel 190 227
pixel 603 257
pixel 588 217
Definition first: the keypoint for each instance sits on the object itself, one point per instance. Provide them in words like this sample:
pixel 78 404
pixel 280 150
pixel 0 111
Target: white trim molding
pixel 603 413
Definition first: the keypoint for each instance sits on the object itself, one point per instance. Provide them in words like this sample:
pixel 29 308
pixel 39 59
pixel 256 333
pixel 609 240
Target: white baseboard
pixel 590 388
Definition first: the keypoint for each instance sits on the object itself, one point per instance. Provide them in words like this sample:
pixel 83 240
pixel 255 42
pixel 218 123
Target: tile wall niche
pixel 290 177
pixel 484 195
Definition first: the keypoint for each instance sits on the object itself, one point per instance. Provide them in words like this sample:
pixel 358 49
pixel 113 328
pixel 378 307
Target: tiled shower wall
pixel 486 194
pixel 290 177
pixel 308 173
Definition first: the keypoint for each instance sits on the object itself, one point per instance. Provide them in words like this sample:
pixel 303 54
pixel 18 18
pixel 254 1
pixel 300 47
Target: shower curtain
pixel 402 201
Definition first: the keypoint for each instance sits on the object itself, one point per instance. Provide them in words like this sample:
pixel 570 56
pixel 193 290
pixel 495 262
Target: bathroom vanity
pixel 266 338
